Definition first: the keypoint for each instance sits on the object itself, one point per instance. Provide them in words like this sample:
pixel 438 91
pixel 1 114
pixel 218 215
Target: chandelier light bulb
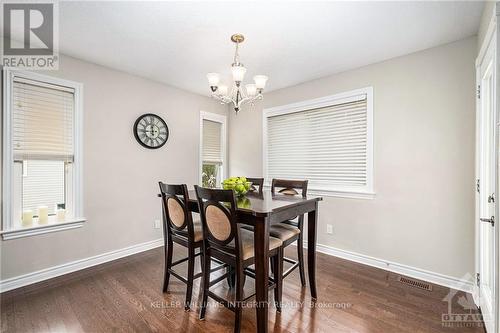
pixel 213 79
pixel 222 90
pixel 251 89
pixel 238 73
pixel 260 81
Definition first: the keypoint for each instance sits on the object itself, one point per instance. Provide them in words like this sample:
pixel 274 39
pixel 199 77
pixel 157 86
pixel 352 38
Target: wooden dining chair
pixel 257 184
pixel 179 227
pixel 226 241
pixel 291 231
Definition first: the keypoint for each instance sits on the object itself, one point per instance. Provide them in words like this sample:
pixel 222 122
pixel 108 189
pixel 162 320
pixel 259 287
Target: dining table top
pixel 265 203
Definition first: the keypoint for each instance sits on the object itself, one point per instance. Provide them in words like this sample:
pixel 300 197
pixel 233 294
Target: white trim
pixel 78 151
pixel 222 119
pixel 7 165
pixel 52 272
pixel 487 39
pixel 41 229
pixel 475 293
pixel 417 273
pixel 343 194
pixel 354 95
pixel 490 40
pixel 337 194
pixel 340 98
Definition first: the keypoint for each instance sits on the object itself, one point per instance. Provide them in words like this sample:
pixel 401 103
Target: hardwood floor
pixel 126 296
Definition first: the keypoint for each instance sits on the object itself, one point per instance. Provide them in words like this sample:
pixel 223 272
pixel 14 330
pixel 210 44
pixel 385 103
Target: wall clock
pixel 151 131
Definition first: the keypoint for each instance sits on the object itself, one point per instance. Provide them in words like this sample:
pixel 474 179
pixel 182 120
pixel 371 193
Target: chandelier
pixel 237 95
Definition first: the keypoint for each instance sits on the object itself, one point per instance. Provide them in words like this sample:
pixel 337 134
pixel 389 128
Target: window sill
pixel 42 229
pixel 343 194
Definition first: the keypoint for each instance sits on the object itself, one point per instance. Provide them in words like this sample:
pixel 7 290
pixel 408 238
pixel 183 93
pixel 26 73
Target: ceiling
pixel 179 42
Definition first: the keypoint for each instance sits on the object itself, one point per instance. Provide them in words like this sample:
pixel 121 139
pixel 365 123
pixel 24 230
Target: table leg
pixel 312 220
pixel 261 245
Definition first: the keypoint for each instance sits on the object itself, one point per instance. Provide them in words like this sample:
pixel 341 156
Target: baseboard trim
pixel 52 272
pixel 417 273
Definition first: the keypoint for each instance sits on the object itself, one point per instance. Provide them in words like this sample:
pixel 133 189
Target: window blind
pixel 212 146
pixel 43 184
pixel 327 146
pixel 42 121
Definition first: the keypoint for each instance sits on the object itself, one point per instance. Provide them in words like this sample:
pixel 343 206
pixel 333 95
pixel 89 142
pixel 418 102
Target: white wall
pixel 120 176
pixel 424 107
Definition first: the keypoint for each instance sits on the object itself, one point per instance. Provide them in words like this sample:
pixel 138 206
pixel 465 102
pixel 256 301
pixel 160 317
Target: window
pixel 41 154
pixel 212 148
pixel 327 141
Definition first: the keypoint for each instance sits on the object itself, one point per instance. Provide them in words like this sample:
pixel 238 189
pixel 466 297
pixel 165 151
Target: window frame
pixel 222 119
pixel 9 230
pixel 366 192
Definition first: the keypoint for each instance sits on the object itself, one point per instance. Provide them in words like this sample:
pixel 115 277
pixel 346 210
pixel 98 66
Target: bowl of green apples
pixel 239 185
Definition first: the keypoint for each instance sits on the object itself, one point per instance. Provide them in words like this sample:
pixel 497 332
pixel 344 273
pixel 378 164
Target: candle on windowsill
pixel 61 215
pixel 43 215
pixel 27 218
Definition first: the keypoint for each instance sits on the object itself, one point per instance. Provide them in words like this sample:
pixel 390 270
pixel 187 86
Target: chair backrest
pixel 177 218
pixel 289 187
pixel 257 184
pixel 218 218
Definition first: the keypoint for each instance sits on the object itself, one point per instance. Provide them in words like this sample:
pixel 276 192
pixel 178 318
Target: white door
pixel 487 171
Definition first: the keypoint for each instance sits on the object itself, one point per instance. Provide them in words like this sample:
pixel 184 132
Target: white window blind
pixel 43 184
pixel 212 144
pixel 326 145
pixel 42 121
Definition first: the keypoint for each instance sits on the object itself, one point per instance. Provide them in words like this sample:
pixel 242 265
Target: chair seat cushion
pixel 283 231
pixel 248 246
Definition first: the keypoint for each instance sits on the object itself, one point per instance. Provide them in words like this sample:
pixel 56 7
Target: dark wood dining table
pixel 260 211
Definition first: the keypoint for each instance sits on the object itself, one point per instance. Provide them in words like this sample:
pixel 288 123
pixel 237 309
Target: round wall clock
pixel 151 131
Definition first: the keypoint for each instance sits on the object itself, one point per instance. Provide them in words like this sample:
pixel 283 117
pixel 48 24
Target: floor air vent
pixel 415 283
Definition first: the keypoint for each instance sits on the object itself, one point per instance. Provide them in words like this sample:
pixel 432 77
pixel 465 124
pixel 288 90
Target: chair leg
pixel 190 279
pixel 168 249
pixel 278 278
pixel 231 277
pixel 202 259
pixel 300 255
pixel 273 264
pixel 205 282
pixel 239 297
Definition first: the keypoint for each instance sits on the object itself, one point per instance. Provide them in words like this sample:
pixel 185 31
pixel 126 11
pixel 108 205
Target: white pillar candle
pixel 61 215
pixel 27 217
pixel 43 214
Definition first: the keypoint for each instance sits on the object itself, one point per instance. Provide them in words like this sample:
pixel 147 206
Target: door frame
pixel 492 35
